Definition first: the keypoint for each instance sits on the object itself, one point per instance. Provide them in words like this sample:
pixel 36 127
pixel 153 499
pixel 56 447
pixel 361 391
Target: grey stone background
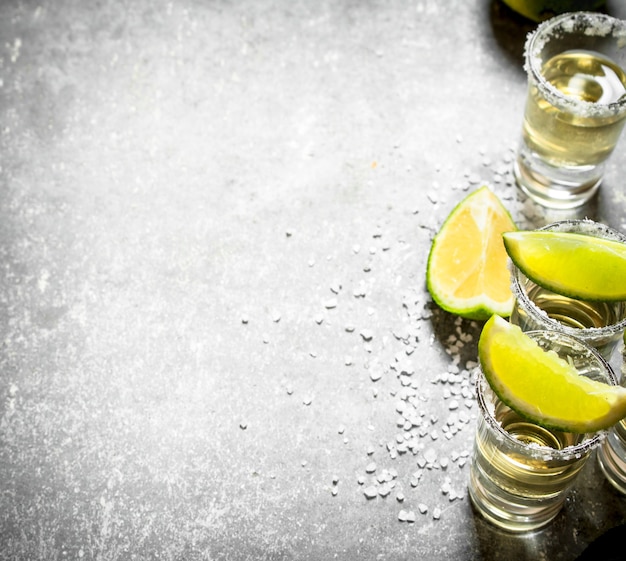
pixel 215 337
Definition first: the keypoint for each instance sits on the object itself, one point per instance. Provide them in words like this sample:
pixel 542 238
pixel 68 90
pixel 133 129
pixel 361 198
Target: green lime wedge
pixel 543 387
pixel 575 265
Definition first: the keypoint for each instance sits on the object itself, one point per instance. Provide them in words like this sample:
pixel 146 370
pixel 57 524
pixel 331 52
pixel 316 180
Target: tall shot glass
pixel 599 324
pixel 575 108
pixel 612 454
pixel 520 472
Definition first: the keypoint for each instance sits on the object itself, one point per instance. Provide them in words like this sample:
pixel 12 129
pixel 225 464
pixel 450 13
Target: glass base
pixel 555 187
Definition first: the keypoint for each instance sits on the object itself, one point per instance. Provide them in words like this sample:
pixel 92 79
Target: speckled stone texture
pixel 215 337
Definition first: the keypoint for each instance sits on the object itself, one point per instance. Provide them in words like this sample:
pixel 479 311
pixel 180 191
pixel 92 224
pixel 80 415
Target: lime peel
pixel 572 264
pixel 543 387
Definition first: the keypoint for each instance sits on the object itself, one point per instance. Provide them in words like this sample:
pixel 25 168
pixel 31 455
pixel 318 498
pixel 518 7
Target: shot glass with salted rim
pixel 612 454
pixel 520 472
pixel 575 108
pixel 599 324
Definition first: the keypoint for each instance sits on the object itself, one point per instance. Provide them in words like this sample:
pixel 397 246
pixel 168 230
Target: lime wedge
pixel 467 271
pixel 543 387
pixel 575 265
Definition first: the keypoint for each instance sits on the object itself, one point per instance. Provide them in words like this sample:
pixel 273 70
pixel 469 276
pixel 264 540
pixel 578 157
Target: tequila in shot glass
pixel 521 472
pixel 612 453
pixel 575 109
pixel 599 324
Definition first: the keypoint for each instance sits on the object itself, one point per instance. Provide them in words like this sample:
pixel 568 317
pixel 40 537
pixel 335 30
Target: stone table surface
pixel 215 218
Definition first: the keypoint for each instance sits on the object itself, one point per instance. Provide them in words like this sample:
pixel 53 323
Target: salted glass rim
pixel 597 25
pixel 544 453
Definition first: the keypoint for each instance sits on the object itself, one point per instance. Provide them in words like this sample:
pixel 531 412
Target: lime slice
pixel 467 271
pixel 575 265
pixel 543 387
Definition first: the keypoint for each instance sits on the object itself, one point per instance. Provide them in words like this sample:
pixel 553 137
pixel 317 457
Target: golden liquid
pixel 517 473
pixel 512 488
pixel 561 137
pixel 578 314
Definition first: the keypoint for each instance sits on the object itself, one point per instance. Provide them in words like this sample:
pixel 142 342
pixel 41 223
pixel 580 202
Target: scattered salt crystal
pixel 370 492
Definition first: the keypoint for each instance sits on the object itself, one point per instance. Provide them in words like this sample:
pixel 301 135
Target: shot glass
pixel 520 472
pixel 575 108
pixel 612 453
pixel 599 324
